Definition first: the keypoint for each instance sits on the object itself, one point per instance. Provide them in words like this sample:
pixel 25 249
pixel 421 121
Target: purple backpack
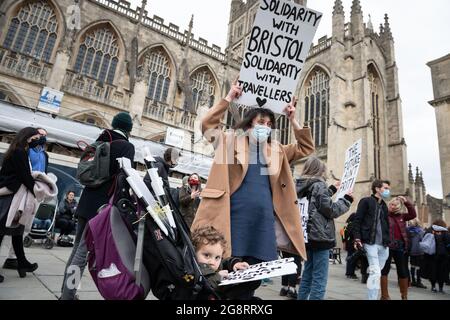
pixel 112 251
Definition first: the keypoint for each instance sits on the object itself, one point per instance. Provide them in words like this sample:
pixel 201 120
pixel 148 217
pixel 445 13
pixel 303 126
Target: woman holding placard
pixel 250 192
pixel 320 234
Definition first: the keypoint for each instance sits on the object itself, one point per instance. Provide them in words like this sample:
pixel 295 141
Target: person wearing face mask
pixel 39 162
pixel 400 211
pixel 15 172
pixel 250 192
pixel 190 198
pixel 371 232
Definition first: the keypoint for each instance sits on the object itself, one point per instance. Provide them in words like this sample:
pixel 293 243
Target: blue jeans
pixel 42 224
pixel 376 256
pixel 315 275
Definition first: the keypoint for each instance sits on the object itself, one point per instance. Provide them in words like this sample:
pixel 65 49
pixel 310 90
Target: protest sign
pixel 303 205
pixel 262 270
pixel 351 168
pixel 276 52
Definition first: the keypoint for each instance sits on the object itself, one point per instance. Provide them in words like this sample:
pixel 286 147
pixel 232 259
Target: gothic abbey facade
pixel 117 58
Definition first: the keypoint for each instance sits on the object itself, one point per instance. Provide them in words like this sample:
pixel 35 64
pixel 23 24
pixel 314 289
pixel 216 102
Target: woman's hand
pixel 290 113
pixel 241 266
pixel 337 184
pixel 235 92
pixel 402 199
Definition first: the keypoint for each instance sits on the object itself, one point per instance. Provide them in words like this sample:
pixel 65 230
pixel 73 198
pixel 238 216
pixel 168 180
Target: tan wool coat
pixel 228 172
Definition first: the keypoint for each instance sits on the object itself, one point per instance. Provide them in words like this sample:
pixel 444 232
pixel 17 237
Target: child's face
pixel 210 254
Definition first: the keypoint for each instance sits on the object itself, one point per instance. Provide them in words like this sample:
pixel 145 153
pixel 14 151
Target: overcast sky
pixel 421 32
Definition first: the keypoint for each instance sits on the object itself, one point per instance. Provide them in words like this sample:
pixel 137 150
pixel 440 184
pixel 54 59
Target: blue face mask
pixel 386 194
pixel 261 133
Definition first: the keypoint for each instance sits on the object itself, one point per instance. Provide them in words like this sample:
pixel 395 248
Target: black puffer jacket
pixel 322 212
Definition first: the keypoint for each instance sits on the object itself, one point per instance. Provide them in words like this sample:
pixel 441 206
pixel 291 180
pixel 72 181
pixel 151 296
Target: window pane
pixel 112 70
pixel 306 109
pixel 104 68
pixel 88 61
pixel 49 48
pixel 21 37
pixel 317 105
pixel 37 52
pixel 323 131
pixel 165 90
pixel 11 33
pixel 152 85
pixel 317 132
pixel 80 58
pixel 159 86
pixel 211 101
pixel 324 103
pixel 32 35
pixel 96 64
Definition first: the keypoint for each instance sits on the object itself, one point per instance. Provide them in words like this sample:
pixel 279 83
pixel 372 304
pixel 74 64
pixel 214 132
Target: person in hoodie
pixel 93 198
pixel 415 235
pixel 400 211
pixel 321 232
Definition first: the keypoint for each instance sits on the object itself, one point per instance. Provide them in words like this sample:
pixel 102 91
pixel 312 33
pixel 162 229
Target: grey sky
pixel 420 31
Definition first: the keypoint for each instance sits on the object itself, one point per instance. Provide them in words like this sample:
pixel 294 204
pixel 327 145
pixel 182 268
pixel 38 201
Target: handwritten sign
pixel 262 270
pixel 303 205
pixel 351 168
pixel 276 51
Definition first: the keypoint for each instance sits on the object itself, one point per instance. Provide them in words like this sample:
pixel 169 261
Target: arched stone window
pixel 374 82
pixel 317 105
pixel 203 88
pixel 98 54
pixel 33 31
pixel 157 66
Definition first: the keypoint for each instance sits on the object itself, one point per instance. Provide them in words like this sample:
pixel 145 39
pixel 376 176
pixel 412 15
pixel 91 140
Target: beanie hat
pixel 122 121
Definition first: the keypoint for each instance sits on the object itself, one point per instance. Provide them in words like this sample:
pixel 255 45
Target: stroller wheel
pixel 27 242
pixel 48 243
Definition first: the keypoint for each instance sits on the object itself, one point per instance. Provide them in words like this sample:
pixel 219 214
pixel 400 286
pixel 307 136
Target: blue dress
pixel 252 213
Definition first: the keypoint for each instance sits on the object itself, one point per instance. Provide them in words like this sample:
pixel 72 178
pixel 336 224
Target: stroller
pixel 46 211
pixel 158 253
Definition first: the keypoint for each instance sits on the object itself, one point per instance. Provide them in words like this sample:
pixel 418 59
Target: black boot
pixel 364 278
pixel 10 264
pixel 413 277
pixel 419 282
pixel 23 266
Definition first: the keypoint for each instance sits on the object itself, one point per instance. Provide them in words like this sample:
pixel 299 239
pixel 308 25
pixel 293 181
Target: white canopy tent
pixel 68 132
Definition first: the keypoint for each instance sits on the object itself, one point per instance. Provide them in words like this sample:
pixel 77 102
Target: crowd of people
pixel 247 213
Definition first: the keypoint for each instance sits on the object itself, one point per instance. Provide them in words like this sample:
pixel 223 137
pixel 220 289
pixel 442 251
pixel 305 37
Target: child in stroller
pixel 43 227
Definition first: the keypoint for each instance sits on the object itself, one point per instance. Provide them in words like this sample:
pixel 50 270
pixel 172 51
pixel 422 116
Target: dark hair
pixel 171 154
pixel 207 235
pixel 70 191
pixel 379 184
pixel 247 122
pixel 20 140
